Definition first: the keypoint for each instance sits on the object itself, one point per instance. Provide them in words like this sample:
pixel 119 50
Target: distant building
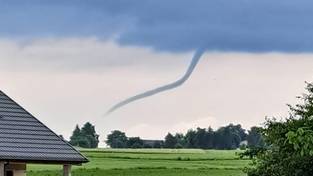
pixel 24 140
pixel 243 143
pixel 153 143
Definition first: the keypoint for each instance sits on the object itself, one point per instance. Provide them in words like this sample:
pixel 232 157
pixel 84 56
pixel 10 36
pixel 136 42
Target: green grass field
pixel 152 162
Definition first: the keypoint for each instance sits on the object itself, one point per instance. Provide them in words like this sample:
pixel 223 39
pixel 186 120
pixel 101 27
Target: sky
pixel 68 62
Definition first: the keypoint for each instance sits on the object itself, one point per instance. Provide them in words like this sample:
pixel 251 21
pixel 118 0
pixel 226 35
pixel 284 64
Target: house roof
pixel 25 138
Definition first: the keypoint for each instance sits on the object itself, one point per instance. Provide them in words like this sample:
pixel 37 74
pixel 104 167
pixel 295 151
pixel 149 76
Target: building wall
pixel 19 169
pixel 19 172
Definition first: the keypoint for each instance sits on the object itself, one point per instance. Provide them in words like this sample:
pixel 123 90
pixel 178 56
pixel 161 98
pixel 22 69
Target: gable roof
pixel 25 138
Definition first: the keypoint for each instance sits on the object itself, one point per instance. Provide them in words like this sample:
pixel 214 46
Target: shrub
pixel 290 151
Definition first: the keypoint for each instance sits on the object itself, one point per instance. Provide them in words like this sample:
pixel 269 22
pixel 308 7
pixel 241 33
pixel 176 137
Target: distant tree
pixel 190 139
pixel 88 132
pixel 255 138
pixel 180 140
pixel 83 142
pixel 210 138
pixel 170 141
pixel 134 142
pixel 74 139
pixel 240 131
pixel 221 138
pixel 117 139
pixel 227 137
pixel 201 138
pixel 85 137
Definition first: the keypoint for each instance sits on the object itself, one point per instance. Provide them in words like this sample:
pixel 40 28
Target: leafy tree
pixel 240 131
pixel 85 137
pixel 201 138
pixel 170 141
pixel 228 137
pixel 255 138
pixel 190 139
pixel 252 152
pixel 74 140
pixel 88 132
pixel 83 142
pixel 117 139
pixel 290 151
pixel 180 139
pixel 134 142
pixel 210 138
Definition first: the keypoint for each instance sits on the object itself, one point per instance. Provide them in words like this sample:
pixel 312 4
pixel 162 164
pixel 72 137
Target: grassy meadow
pixel 152 162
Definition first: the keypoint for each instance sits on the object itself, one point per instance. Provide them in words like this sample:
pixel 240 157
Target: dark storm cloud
pixel 172 25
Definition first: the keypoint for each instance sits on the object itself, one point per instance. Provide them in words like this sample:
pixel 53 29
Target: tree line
pixel 227 137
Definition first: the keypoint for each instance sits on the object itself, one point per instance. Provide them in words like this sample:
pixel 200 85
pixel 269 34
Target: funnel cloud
pixel 193 64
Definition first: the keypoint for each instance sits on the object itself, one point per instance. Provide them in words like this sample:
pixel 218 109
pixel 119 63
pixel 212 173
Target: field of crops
pixel 150 162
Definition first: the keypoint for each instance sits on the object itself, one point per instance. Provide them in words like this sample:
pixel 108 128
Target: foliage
pixel 88 132
pixel 252 152
pixel 170 141
pixel 255 138
pixel 227 138
pixel 243 147
pixel 75 138
pixel 85 137
pixel 117 139
pixel 134 142
pixel 290 151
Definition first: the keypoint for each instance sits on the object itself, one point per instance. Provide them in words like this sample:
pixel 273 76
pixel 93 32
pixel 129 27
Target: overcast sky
pixel 68 62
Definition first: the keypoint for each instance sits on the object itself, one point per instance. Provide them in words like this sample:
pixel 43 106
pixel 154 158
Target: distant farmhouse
pixel 152 143
pixel 24 140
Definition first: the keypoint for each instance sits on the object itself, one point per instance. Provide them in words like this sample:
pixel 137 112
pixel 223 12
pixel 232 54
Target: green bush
pixel 290 143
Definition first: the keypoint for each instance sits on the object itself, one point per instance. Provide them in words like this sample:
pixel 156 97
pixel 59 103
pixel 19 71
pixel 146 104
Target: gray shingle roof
pixel 24 138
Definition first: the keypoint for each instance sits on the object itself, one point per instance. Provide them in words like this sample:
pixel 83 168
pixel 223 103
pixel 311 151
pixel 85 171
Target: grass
pixel 142 172
pixel 151 162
